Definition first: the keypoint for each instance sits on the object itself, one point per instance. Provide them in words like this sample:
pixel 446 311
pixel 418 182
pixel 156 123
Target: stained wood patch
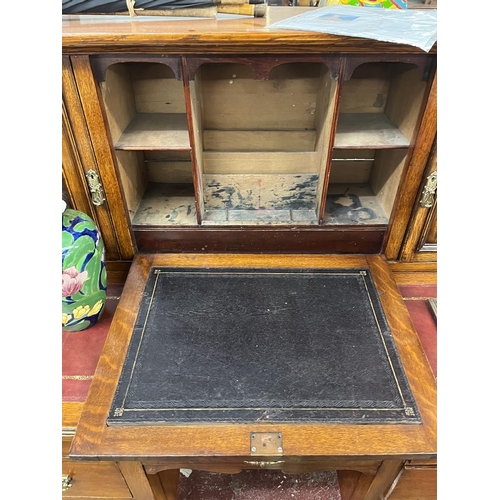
pixel 166 205
pixel 253 192
pixel 155 131
pixel 368 130
pixel 259 140
pixel 260 163
pixel 353 204
pixel 364 95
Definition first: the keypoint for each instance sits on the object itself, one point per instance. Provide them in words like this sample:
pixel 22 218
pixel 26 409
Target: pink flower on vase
pixel 72 281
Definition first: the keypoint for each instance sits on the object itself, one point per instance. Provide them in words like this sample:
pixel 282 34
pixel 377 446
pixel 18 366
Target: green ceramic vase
pixel 84 278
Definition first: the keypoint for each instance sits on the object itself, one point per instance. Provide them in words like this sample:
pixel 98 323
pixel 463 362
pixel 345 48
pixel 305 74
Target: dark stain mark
pixel 307 184
pixel 352 213
pixel 172 216
pixel 188 211
pixel 302 196
pixel 279 84
pixel 223 193
pixel 379 101
pixel 363 214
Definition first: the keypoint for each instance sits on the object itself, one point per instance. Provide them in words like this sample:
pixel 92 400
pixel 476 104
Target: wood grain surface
pixel 99 135
pixel 239 35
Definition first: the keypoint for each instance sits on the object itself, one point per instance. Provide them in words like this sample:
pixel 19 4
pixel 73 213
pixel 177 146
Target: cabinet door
pixel 420 244
pixel 78 160
pixel 412 176
pixel 91 144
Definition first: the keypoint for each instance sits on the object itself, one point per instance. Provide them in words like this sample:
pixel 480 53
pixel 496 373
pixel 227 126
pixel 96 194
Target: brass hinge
pixel 95 186
pixel 429 191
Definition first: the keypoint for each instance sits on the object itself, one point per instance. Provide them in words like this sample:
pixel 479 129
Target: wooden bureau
pixel 223 143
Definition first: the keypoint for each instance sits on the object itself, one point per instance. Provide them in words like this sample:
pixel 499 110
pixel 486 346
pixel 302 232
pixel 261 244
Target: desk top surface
pixel 94 438
pixel 242 34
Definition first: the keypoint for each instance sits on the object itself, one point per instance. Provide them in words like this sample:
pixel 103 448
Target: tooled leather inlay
pixel 276 345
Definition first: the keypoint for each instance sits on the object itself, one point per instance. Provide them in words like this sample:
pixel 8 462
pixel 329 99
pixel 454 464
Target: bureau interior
pixel 146 112
pixel 263 143
pixel 379 108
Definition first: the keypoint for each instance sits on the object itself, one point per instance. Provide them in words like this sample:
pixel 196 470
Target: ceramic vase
pixel 84 278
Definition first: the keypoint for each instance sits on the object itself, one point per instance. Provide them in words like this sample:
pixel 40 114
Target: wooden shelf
pixel 368 130
pixel 353 204
pixel 155 131
pixel 166 205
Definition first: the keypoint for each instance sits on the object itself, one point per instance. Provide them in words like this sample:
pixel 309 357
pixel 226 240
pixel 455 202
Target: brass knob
pixel 66 482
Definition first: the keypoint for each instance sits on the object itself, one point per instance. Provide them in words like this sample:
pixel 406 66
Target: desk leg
pixel 353 484
pixel 169 480
pixel 137 481
pixel 164 484
pixel 382 481
pixel 358 486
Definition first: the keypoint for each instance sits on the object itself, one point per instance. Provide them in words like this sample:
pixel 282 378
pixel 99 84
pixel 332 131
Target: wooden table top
pixel 98 33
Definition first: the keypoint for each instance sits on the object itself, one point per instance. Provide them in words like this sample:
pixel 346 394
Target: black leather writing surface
pixel 277 345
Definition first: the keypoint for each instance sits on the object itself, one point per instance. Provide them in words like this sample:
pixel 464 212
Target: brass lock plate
pixel 266 443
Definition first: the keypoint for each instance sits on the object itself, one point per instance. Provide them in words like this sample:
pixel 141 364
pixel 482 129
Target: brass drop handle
pixel 429 191
pixel 67 482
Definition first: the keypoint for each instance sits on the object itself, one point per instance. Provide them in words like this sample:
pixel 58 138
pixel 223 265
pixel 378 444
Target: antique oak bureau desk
pixel 255 190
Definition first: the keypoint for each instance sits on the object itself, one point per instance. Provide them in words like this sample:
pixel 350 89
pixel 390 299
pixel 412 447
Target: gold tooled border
pixel 408 410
